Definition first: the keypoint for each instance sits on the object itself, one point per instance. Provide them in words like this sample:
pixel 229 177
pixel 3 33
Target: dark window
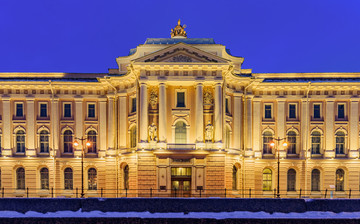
pixel 67 110
pixel 291 180
pixel 340 142
pixel 68 141
pixel 315 142
pixel 341 111
pixel 268 111
pixel 227 109
pixel 126 177
pixel 44 141
pixel 68 179
pixel 91 136
pixel 180 99
pixel 339 186
pixel 133 105
pixel 43 110
pixel 291 142
pixel 91 110
pixel 317 111
pixel 19 110
pixel 20 141
pixel 20 178
pixel 44 178
pixel 315 180
pixel 292 111
pixel 267 138
pixel 267 180
pixel 235 179
pixel 92 179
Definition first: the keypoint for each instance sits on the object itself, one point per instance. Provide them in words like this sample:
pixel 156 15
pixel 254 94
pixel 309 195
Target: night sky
pixel 272 35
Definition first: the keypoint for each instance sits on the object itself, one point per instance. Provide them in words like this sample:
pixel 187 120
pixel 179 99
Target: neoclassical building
pixel 179 117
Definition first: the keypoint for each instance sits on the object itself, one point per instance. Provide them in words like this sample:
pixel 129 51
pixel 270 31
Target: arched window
pixel 20 141
pixel 235 178
pixel 291 139
pixel 315 142
pixel 315 180
pixel 180 132
pixel 44 141
pixel 68 141
pixel 340 176
pixel 227 137
pixel 20 178
pixel 340 142
pixel 126 177
pixel 133 137
pixel 92 179
pixel 44 178
pixel 68 179
pixel 267 179
pixel 91 136
pixel 291 180
pixel 267 138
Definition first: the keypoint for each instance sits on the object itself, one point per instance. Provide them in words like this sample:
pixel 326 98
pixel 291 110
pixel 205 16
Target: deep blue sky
pixel 272 35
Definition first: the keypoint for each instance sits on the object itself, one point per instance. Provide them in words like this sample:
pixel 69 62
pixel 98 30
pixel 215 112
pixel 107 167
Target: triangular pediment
pixel 181 53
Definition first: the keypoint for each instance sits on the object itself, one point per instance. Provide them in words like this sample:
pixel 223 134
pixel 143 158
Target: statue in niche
pixel 152 132
pixel 208 97
pixel 209 132
pixel 153 98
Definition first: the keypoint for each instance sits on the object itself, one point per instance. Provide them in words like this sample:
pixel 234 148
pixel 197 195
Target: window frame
pixel 317 143
pixel 268 147
pixel 70 143
pixel 185 98
pixel 340 187
pixel 320 111
pixel 267 182
pixel 271 111
pixel 91 139
pixel 23 142
pixel 44 181
pixel 16 111
pixel 133 106
pixel 337 111
pixel 337 150
pixel 292 143
pixel 68 182
pixel 316 186
pixel 44 142
pixel 20 183
pixel 184 127
pixel 295 111
pixel 291 180
pixel 64 110
pixel 92 179
pixel 88 110
pixel 47 110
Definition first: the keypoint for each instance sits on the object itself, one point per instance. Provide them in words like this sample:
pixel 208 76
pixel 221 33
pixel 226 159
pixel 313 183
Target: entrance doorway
pixel 181 181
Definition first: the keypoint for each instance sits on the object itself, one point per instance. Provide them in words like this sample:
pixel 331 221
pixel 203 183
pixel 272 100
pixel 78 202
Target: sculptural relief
pixel 153 98
pixel 152 132
pixel 208 97
pixel 209 132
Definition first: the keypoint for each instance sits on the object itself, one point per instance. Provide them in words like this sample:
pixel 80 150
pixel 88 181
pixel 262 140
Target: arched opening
pixel 20 178
pixel 267 180
pixel 267 138
pixel 68 179
pixel 235 178
pixel 180 132
pixel 68 141
pixel 315 180
pixel 126 177
pixel 91 136
pixel 340 177
pixel 92 179
pixel 291 180
pixel 44 178
pixel 291 139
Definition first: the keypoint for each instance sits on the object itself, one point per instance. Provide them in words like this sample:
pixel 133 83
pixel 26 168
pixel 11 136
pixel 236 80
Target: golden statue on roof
pixel 178 31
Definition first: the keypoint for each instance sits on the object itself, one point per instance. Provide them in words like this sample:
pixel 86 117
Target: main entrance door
pixel 181 181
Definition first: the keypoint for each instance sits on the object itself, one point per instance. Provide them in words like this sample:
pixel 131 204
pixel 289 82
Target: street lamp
pixel 76 144
pixel 272 144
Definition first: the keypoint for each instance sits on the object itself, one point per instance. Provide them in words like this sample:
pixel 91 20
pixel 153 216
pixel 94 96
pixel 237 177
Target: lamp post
pixel 272 144
pixel 76 144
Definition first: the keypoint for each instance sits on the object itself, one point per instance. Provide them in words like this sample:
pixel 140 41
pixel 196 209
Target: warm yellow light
pixel 76 144
pixel 272 144
pixel 285 144
pixel 88 144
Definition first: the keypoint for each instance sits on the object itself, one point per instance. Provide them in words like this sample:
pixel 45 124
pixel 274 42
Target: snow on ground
pixel 195 215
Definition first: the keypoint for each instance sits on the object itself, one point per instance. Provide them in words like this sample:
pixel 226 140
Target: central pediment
pixel 181 53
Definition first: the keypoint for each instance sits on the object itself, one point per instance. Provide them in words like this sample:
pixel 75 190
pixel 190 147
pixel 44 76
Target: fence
pixel 176 193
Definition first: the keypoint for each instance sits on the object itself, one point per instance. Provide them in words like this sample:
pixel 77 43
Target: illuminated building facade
pixel 179 113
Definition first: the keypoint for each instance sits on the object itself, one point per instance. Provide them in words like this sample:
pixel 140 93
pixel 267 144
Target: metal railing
pixel 176 193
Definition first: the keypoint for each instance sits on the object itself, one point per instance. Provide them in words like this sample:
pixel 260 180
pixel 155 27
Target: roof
pixel 43 79
pixel 313 80
pixel 178 40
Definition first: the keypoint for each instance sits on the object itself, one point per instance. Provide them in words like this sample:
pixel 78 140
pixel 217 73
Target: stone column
pixel 111 123
pixel 329 130
pixel 162 112
pixel 237 118
pixel 102 127
pixel 30 126
pixel 354 128
pixel 218 113
pixel 257 148
pixel 122 120
pixel 55 132
pixel 248 123
pixel 199 115
pixel 143 112
pixel 6 132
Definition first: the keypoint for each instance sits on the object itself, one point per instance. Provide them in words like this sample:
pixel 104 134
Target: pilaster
pixel 111 124
pixel 6 132
pixel 329 123
pixel 162 112
pixel 143 112
pixel 354 128
pixel 199 113
pixel 102 127
pixel 248 125
pixel 30 129
pixel 257 128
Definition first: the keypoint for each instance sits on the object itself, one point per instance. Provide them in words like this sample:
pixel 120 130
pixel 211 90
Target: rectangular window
pixel 133 104
pixel 180 96
pixel 316 111
pixel 91 110
pixel 341 111
pixel 268 111
pixel 19 110
pixel 67 110
pixel 292 111
pixel 227 109
pixel 43 110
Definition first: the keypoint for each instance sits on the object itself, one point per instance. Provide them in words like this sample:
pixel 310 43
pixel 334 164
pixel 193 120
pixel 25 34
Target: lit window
pixel 267 138
pixel 44 141
pixel 340 142
pixel 20 178
pixel 44 178
pixel 91 110
pixel 292 111
pixel 43 110
pixel 341 111
pixel 92 179
pixel 315 180
pixel 67 110
pixel 291 180
pixel 340 176
pixel 315 142
pixel 68 179
pixel 20 141
pixel 19 110
pixel 267 180
pixel 68 141
pixel 180 132
pixel 291 139
pixel 316 111
pixel 91 136
pixel 268 111
pixel 180 96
